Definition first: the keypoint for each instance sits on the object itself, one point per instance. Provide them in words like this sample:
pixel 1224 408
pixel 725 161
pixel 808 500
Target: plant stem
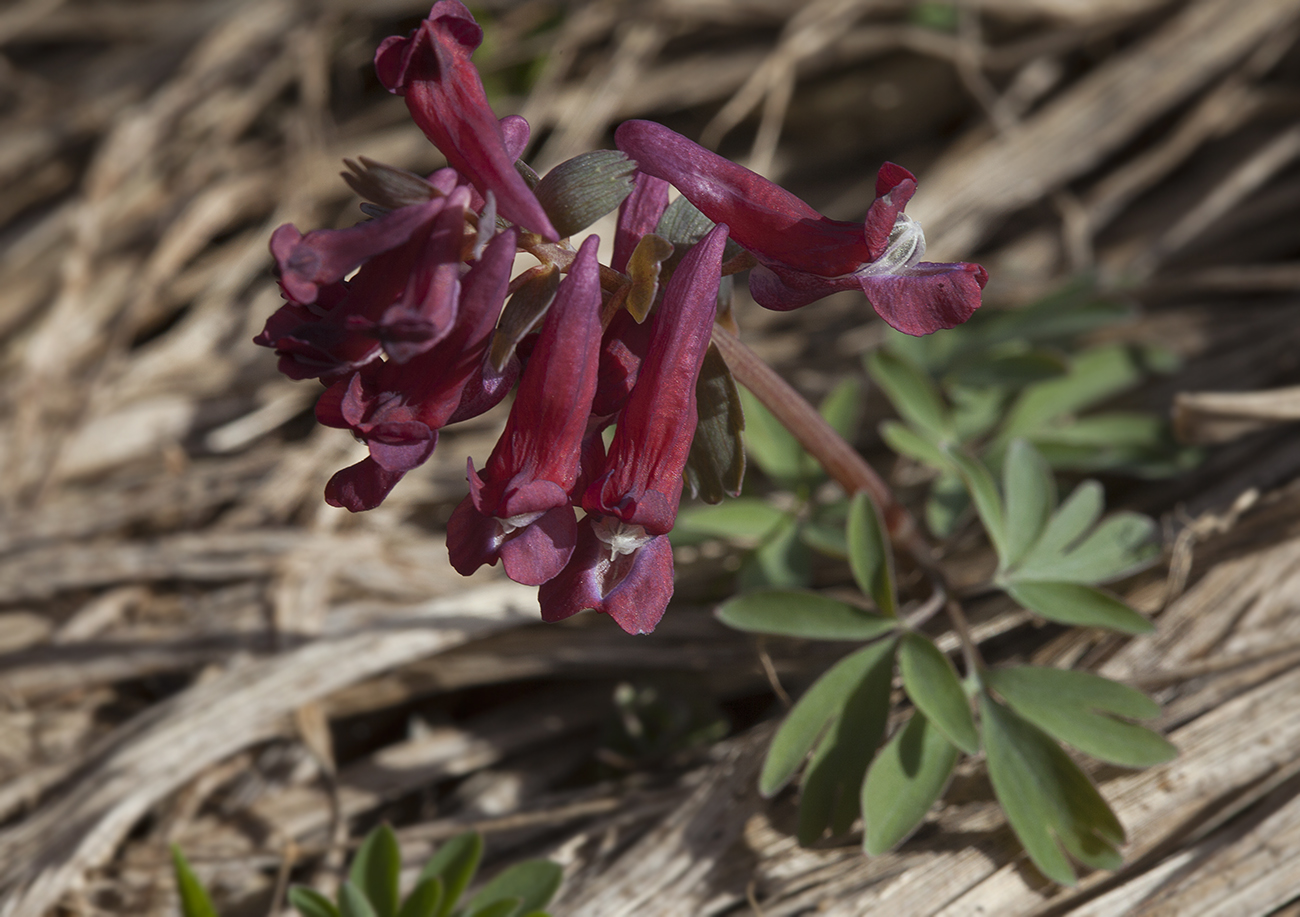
pixel 841 461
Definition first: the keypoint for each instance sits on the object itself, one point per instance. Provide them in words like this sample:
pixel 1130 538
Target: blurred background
pixel 195 649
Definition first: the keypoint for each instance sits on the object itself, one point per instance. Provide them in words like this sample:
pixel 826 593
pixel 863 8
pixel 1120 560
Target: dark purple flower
pixel 519 508
pixel 803 255
pixel 431 68
pixel 398 408
pixel 623 563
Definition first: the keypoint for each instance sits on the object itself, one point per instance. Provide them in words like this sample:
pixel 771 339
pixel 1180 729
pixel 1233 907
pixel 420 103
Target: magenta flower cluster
pixel 396 316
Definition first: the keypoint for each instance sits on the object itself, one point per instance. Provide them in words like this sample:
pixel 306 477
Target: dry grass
pixel 194 649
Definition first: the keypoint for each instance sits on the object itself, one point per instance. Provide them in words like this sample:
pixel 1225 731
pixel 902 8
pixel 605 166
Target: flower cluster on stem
pixel 404 319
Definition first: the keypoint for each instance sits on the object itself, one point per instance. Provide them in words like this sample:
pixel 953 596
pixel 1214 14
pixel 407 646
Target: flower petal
pixel 926 297
pixel 431 68
pixel 764 218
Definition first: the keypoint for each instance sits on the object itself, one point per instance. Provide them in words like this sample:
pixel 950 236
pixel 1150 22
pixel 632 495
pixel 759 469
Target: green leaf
pixel 424 899
pixel 904 782
pixel 454 863
pixel 820 706
pixel 1081 606
pixel 375 870
pixel 1075 517
pixel 353 902
pixel 310 903
pixel 869 556
pixel 913 394
pixel 531 884
pixel 743 518
pixel 715 466
pixel 1122 544
pixel 931 682
pixel 195 901
pixel 984 493
pixel 782 561
pixel 1050 803
pixel 792 613
pixel 772 447
pixel 826 538
pixel 1080 709
pixel 1009 367
pixel 831 789
pixel 842 408
pixel 975 411
pixel 1094 376
pixel 906 441
pixel 1030 493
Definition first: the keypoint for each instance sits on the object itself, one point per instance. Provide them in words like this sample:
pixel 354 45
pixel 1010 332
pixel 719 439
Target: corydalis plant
pixel 405 320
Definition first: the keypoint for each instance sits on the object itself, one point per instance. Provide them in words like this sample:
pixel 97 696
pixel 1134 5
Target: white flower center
pixel 621 537
pixel 906 247
pixel 512 524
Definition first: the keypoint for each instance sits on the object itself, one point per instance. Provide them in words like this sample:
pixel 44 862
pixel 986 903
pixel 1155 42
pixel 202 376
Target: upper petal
pixel 764 218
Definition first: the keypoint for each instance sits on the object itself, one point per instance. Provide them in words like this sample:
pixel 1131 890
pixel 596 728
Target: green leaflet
pixel 772 447
pixel 830 792
pixel 424 900
pixel 310 903
pixel 1081 710
pixel 821 706
pixel 1050 803
pixel 932 684
pixel 195 901
pixel 746 518
pixel 1081 606
pixel 906 779
pixel 1030 493
pixel 454 864
pixel 913 394
pixel 869 555
pixel 529 885
pixel 794 613
pixel 375 870
pixel 353 902
pixel 783 560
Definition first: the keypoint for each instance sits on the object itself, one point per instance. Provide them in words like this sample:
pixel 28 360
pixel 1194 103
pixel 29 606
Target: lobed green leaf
pixel 1094 376
pixel 791 613
pixel 1076 516
pixel 1122 544
pixel 869 554
pixel 904 782
pixel 1079 708
pixel 1081 606
pixel 195 901
pixel 931 682
pixel 1050 803
pixel 820 706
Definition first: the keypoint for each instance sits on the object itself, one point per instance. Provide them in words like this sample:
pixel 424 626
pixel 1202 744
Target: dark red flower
pixel 431 68
pixel 518 508
pixel 622 565
pixel 803 255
